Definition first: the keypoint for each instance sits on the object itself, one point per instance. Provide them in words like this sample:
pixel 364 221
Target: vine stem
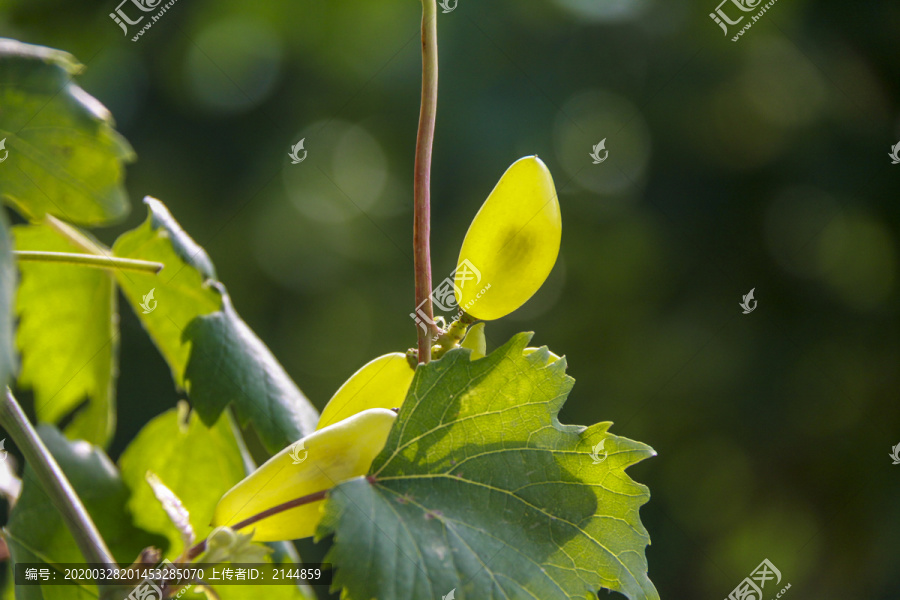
pixel 54 481
pixel 422 177
pixel 90 260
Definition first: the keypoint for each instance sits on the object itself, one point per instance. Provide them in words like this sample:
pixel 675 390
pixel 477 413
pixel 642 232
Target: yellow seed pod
pixel 382 383
pixel 315 463
pixel 512 243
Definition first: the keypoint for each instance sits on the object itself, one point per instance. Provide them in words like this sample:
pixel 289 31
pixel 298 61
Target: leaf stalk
pixel 89 260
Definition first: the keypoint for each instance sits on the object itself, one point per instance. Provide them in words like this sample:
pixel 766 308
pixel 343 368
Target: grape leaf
pixel 212 353
pixel 197 464
pixel 7 289
pixel 68 336
pixel 36 531
pixel 481 490
pixel 64 157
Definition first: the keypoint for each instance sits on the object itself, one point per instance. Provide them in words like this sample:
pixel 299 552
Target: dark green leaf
pixel 481 490
pixel 64 158
pixel 229 364
pixel 68 336
pixel 36 531
pixel 212 353
pixel 7 291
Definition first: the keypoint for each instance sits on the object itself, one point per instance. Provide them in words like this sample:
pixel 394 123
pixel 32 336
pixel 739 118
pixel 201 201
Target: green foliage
pixel 230 365
pixel 181 289
pixel 68 335
pixel 481 489
pixel 37 533
pixel 211 351
pixel 197 463
pixel 7 291
pixel 65 158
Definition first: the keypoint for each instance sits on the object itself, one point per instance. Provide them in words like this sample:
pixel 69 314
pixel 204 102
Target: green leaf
pixel 212 353
pixel 7 289
pixel 68 335
pixel 197 464
pixel 481 490
pixel 37 533
pixel 180 289
pixel 229 364
pixel 64 158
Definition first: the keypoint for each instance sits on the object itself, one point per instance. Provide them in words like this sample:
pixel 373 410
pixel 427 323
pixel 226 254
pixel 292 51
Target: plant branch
pixel 422 177
pixel 90 260
pixel 54 482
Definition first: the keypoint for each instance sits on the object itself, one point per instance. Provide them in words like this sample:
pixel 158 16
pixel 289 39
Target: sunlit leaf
pixel 197 464
pixel 68 336
pixel 64 157
pixel 212 353
pixel 181 292
pixel 481 490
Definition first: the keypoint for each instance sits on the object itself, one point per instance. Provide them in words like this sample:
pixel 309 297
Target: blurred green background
pixel 757 164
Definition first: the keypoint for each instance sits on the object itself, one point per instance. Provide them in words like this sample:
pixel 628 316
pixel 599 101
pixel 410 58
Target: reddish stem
pixel 422 177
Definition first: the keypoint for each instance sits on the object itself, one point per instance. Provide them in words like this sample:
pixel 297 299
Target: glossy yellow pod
pixel 512 243
pixel 382 383
pixel 318 462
